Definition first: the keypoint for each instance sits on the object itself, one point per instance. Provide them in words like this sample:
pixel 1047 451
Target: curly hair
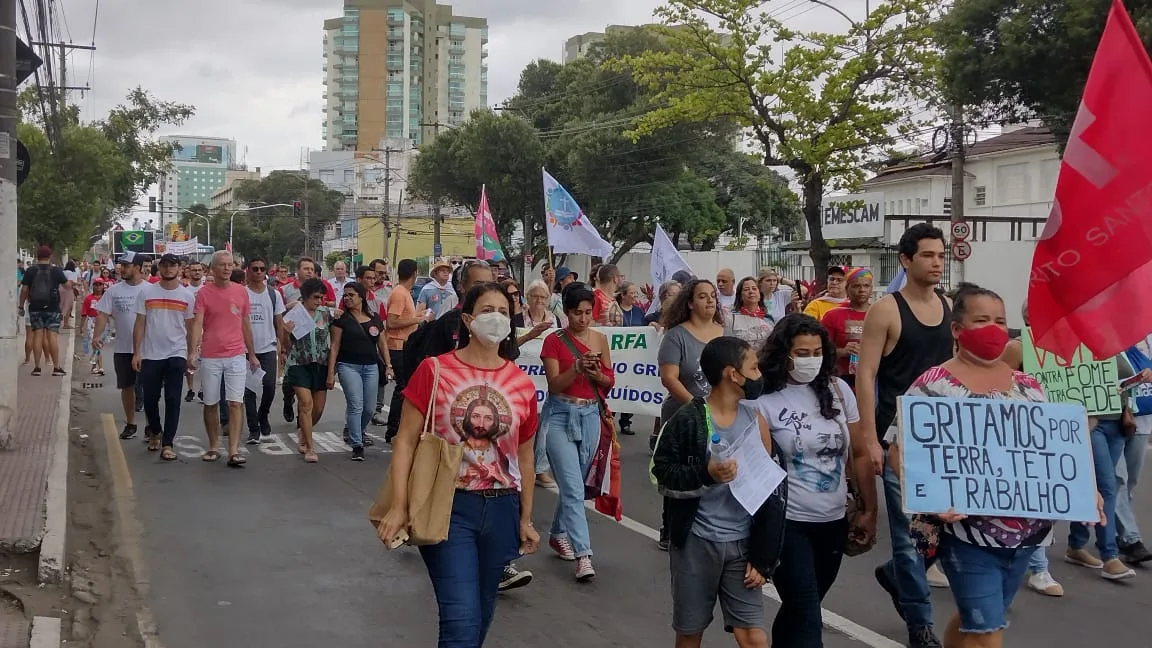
pixel 774 359
pixel 678 312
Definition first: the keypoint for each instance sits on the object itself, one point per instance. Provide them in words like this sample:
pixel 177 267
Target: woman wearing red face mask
pixel 985 558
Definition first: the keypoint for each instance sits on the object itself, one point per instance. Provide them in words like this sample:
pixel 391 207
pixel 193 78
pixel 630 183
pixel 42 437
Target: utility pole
pixel 396 232
pixel 9 360
pixel 437 250
pixel 958 156
pixel 384 219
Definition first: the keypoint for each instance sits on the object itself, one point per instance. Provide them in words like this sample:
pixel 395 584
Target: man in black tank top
pixel 905 334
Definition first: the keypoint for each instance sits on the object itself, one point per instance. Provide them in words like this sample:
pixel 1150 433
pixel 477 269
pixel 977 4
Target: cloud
pixel 254 68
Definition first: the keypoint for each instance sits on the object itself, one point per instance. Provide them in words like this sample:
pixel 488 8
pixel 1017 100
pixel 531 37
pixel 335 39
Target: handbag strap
pixel 430 413
pixel 576 355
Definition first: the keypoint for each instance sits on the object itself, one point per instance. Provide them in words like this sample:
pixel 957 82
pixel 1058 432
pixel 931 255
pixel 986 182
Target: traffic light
pixel 151 203
pixel 297 206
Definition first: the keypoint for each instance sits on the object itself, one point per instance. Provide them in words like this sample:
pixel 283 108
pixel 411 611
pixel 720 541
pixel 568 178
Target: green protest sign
pixel 1083 379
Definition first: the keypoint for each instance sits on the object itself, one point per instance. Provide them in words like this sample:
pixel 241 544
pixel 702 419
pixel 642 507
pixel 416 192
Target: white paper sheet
pixel 254 381
pixel 757 474
pixel 302 322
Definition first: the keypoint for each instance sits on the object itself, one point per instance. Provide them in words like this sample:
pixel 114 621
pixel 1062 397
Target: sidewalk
pixel 25 464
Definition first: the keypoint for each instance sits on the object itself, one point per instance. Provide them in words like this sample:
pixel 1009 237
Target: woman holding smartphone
pixel 578 366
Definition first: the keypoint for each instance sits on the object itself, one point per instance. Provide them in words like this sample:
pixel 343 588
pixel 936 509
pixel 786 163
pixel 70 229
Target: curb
pixel 45 632
pixel 52 560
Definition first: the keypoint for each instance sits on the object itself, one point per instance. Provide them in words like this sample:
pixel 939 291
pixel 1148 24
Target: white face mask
pixel 805 370
pixel 490 328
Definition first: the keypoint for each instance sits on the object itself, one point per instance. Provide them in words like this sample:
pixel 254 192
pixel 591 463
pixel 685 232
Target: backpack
pixel 43 292
pixel 425 342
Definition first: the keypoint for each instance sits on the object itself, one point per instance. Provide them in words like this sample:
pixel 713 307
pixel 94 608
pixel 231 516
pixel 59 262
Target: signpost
pixel 23 163
pixel 961 250
pixel 961 230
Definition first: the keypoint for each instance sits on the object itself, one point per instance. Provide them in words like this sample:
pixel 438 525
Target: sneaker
pixel 253 439
pixel 889 585
pixel 1135 553
pixel 562 547
pixel 379 419
pixel 584 570
pixel 545 481
pixel 358 453
pixel 1082 558
pixel 922 637
pixel 266 430
pixel 1044 583
pixel 935 577
pixel 139 406
pixel 1115 569
pixel 129 431
pixel 188 398
pixel 513 578
pixel 368 442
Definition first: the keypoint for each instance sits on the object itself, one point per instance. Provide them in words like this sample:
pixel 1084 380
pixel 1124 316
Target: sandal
pixel 236 461
pixel 153 443
pixel 168 454
pixel 210 456
pixel 311 457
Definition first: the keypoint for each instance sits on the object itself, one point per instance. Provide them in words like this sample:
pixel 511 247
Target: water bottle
pixel 719 448
pixel 852 364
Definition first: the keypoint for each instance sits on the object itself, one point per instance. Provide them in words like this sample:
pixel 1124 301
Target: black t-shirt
pixel 58 279
pixel 358 340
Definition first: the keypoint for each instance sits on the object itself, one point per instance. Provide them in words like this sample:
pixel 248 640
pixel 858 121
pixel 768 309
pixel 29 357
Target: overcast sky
pixel 253 68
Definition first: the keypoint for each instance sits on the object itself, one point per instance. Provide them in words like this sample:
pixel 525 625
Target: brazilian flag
pixel 135 241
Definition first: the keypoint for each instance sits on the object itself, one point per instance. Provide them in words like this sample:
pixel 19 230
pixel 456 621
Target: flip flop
pixel 236 461
pixel 210 456
pixel 153 444
pixel 168 454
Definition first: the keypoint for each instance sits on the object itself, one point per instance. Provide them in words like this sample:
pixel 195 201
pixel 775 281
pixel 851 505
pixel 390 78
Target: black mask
pixel 753 387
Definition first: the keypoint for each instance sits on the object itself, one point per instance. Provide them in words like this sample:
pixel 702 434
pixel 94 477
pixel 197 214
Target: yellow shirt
pixel 821 305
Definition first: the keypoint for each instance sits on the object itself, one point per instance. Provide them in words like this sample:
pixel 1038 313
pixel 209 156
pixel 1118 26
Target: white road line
pixel 832 620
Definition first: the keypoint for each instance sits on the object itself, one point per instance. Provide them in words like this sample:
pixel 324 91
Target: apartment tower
pixel 400 69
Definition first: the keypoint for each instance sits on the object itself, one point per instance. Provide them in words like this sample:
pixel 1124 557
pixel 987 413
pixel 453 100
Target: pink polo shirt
pixel 224 310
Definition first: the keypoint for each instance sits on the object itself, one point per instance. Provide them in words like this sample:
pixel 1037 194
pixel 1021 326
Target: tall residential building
pixel 577 47
pixel 400 69
pixel 199 166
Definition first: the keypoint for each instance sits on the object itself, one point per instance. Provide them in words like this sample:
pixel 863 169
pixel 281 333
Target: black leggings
pixel 809 563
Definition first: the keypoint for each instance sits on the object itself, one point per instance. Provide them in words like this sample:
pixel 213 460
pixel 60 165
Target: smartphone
pixel 399 540
pixel 1129 383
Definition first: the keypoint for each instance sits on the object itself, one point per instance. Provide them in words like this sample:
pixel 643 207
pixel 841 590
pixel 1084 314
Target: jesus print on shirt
pixel 818 459
pixel 482 417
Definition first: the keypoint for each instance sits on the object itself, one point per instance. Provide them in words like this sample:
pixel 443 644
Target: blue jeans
pixel 984 580
pixel 1038 561
pixel 1107 449
pixel 572 432
pixel 465 569
pixel 359 383
pixel 1128 472
pixel 907 566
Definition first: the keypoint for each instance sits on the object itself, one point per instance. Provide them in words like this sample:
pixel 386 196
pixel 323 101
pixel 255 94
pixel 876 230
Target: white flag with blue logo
pixel 569 230
pixel 666 261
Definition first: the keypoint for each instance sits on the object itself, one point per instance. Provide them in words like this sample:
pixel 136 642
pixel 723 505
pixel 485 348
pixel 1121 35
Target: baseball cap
pixel 563 272
pixel 43 252
pixel 169 259
pixel 132 257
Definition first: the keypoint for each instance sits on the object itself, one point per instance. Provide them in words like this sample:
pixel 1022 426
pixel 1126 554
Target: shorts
pixel 312 376
pixel 984 580
pixel 125 375
pixel 702 571
pixel 232 371
pixel 49 320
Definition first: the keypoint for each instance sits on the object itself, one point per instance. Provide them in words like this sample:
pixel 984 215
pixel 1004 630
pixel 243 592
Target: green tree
pixel 829 105
pixel 1010 61
pixel 276 233
pixel 501 151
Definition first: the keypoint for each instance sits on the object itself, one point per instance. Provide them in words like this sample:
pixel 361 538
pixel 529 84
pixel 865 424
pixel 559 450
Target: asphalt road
pixel 280 553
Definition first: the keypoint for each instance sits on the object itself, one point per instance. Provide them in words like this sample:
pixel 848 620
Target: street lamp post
pixel 232 219
pixel 206 222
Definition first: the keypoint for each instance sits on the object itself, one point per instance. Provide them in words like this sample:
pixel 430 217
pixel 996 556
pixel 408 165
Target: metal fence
pixel 790 264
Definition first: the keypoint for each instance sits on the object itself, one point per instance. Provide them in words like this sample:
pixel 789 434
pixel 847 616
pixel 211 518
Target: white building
pixel 400 69
pixel 1010 181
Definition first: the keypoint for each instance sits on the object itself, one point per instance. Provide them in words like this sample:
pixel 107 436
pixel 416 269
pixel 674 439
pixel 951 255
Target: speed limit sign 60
pixel 961 250
pixel 961 230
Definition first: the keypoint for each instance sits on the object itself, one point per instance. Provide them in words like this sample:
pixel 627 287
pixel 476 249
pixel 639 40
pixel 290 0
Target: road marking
pixel 124 496
pixel 841 624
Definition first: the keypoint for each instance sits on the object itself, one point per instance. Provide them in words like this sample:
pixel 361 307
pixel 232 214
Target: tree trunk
pixel 813 215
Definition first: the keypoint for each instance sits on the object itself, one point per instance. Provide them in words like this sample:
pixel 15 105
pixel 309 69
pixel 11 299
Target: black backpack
pixel 43 290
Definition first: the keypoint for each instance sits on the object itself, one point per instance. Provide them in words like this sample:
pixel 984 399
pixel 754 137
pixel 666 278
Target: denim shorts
pixel 984 580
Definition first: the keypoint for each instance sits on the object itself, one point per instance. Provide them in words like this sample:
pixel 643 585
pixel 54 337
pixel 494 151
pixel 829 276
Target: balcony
pixel 484 53
pixel 393 19
pixel 395 62
pixel 395 34
pixel 455 47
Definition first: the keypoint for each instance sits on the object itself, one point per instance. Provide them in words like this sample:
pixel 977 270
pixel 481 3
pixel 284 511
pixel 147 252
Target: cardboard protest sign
pixel 1082 379
pixel 983 456
pixel 633 350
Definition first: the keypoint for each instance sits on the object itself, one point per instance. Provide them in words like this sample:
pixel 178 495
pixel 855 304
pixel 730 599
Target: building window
pixel 981 196
pixel 1013 185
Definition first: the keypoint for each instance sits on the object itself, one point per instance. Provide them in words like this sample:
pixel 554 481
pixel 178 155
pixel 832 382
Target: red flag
pixel 1091 279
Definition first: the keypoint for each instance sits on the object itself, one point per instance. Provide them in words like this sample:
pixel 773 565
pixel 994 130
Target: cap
pixel 440 263
pixel 43 252
pixel 132 257
pixel 563 272
pixel 169 259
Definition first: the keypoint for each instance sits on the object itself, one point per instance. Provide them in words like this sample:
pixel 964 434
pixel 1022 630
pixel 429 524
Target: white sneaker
pixel 936 578
pixel 1044 583
pixel 584 571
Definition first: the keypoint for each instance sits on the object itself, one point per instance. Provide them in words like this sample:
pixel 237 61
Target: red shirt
pixel 844 324
pixel 555 349
pixel 329 294
pixel 153 279
pixel 491 412
pixel 88 308
pixel 600 306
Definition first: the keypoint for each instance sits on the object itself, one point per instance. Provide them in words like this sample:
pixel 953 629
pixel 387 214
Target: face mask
pixel 490 328
pixel 805 370
pixel 986 342
pixel 753 387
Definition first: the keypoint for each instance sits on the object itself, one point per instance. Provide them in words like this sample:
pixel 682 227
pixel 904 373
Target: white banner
pixel 183 247
pixel 633 352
